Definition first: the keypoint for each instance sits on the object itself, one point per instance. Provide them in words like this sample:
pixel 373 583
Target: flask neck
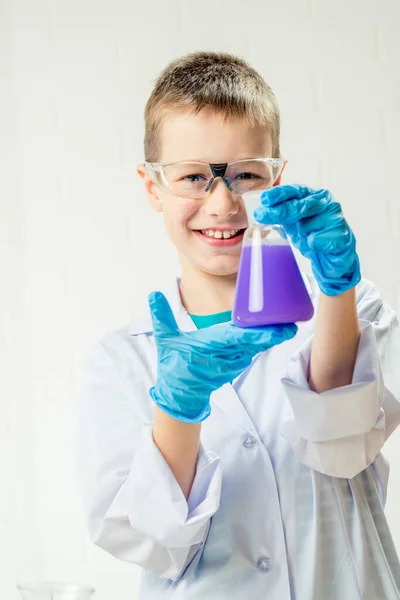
pixel 265 234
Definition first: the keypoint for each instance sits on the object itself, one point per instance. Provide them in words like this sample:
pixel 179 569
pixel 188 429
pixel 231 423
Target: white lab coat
pixel 287 502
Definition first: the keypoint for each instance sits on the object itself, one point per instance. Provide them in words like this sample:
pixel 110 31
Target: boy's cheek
pixel 178 214
pixel 176 229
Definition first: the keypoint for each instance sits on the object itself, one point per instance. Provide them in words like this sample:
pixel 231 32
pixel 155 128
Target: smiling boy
pixel 229 462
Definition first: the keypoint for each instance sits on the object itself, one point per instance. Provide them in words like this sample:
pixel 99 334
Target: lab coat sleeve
pixel 134 507
pixel 340 432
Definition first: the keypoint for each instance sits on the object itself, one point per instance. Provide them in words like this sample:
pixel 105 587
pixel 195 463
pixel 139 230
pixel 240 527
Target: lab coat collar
pixel 143 324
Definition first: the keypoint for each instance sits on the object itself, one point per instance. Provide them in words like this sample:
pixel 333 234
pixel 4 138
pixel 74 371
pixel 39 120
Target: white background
pixel 80 247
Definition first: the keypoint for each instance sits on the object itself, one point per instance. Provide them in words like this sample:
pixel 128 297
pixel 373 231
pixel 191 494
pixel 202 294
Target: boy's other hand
pixel 192 365
pixel 316 226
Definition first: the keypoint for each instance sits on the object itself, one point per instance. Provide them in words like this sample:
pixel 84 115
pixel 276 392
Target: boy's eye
pixel 247 176
pixel 195 178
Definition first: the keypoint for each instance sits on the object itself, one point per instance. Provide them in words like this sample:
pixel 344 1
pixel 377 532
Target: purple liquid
pixel 285 297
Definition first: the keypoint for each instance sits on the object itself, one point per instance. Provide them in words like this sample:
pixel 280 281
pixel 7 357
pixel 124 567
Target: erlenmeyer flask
pixel 269 288
pixel 55 591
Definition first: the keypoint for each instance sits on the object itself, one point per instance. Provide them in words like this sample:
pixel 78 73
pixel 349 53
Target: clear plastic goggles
pixel 190 179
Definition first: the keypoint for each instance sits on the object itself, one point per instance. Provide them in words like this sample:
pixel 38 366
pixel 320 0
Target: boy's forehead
pixel 208 137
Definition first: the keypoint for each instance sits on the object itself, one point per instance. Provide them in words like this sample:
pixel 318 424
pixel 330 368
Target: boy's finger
pixel 281 333
pixel 282 193
pixel 161 314
pixel 265 336
pixel 294 209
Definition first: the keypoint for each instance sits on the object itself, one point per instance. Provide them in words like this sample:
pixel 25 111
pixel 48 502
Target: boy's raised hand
pixel 315 223
pixel 192 365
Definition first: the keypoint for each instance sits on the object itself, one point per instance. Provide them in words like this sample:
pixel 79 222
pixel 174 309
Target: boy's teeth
pixel 219 234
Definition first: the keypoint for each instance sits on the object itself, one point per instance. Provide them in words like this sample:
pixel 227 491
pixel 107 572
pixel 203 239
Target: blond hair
pixel 217 80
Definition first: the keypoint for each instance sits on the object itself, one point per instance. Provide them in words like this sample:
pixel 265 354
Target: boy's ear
pixel 150 187
pixel 278 181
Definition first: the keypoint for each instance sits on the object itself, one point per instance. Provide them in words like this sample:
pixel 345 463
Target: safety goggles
pixel 191 179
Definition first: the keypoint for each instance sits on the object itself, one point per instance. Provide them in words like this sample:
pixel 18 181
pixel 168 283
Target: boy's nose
pixel 220 201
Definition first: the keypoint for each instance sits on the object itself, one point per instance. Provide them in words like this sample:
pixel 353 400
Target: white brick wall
pixel 74 79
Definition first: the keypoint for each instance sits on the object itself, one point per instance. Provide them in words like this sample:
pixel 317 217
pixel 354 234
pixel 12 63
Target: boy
pixel 230 462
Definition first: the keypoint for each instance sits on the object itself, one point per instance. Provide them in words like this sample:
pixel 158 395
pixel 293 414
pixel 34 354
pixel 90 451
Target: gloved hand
pixel 316 226
pixel 192 365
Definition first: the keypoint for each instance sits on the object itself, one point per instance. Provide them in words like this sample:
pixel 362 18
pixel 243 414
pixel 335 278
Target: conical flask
pixel 269 287
pixel 55 591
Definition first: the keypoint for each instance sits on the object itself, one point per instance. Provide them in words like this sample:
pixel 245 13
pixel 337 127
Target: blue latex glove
pixel 192 365
pixel 316 226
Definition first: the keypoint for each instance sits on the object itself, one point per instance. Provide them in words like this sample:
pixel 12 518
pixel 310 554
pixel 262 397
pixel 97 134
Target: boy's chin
pixel 220 267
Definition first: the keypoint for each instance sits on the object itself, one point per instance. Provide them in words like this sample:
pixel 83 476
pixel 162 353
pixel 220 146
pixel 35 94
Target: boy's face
pixel 205 137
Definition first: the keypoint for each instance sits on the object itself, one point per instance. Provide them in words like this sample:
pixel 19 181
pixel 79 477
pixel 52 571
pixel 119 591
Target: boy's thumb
pixel 161 314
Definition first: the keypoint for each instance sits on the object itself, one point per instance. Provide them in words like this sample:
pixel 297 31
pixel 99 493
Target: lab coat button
pixel 264 564
pixel 249 441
